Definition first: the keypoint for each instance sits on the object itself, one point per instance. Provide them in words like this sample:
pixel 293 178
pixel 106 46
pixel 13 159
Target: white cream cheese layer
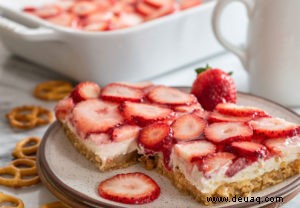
pixel 108 151
pixel 209 185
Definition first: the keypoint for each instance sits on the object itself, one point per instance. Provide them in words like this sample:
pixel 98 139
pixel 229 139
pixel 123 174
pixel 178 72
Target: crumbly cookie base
pixel 121 161
pixel 243 188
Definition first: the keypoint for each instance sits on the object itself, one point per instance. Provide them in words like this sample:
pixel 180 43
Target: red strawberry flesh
pixel 214 162
pixel 249 149
pixel 63 108
pixel 169 96
pixel 118 92
pixel 188 127
pixel 94 116
pixel 228 132
pixel 84 91
pixel 125 132
pixel 215 116
pixel 129 188
pixel 195 150
pixel 152 137
pixel 143 113
pixel 239 110
pixel 274 127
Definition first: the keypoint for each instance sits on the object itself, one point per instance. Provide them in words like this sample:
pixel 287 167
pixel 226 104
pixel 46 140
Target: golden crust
pixel 243 188
pixel 121 161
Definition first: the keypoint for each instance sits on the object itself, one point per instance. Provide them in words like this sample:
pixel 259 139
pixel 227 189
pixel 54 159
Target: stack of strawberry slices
pixel 105 15
pixel 232 150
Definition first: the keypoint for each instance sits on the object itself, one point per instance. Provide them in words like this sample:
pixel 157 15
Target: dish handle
pixel 13 28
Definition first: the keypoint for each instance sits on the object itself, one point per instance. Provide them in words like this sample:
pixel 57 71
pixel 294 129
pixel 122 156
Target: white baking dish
pixel 131 54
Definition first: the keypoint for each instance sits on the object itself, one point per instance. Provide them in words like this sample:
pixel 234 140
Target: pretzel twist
pixel 27 117
pixel 53 90
pixel 5 198
pixel 22 172
pixel 27 148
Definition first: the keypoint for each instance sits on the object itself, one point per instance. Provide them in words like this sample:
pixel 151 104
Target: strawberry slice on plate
pixel 169 96
pixel 157 3
pixel 225 132
pixel 129 188
pixel 274 127
pixel 238 110
pixel 95 116
pixel 100 26
pixel 188 108
pixel 119 93
pixel 153 136
pixel 188 127
pixel 214 162
pixel 84 91
pixel 143 113
pixel 279 145
pixel 215 116
pixel 145 9
pixel 126 132
pixel 249 149
pixel 194 150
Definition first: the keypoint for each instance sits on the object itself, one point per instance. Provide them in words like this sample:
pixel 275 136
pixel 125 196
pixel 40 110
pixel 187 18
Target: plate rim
pixel 49 174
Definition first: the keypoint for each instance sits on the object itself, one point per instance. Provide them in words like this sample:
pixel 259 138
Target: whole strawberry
pixel 213 86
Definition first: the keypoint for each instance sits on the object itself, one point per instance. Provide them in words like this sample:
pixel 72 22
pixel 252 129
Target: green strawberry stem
pixel 207 67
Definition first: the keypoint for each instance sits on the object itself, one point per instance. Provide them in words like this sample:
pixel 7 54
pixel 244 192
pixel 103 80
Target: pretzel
pixel 23 172
pixel 4 198
pixel 27 148
pixel 27 117
pixel 54 205
pixel 53 90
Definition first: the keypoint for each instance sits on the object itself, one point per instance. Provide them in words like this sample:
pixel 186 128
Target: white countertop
pixel 18 78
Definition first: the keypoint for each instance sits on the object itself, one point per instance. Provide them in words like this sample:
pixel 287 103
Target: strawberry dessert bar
pixel 232 150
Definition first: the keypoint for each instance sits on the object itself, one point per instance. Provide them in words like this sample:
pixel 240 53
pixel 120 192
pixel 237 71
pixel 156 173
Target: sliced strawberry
pixel 188 108
pixel 128 19
pixel 238 110
pixel 48 11
pixel 63 108
pixel 125 132
pixel 152 137
pixel 144 113
pixel 95 116
pixel 29 9
pixel 215 116
pixel 98 17
pixel 194 150
pixel 119 93
pixel 64 19
pixel 276 145
pixel 84 8
pixel 170 96
pixel 64 4
pixel 186 4
pixel 238 165
pixel 188 127
pixel 164 10
pixel 216 161
pixel 139 85
pixel 157 3
pixel 274 127
pixel 145 9
pixel 100 26
pixel 249 149
pixel 99 139
pixel 129 188
pixel 85 91
pixel 228 132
